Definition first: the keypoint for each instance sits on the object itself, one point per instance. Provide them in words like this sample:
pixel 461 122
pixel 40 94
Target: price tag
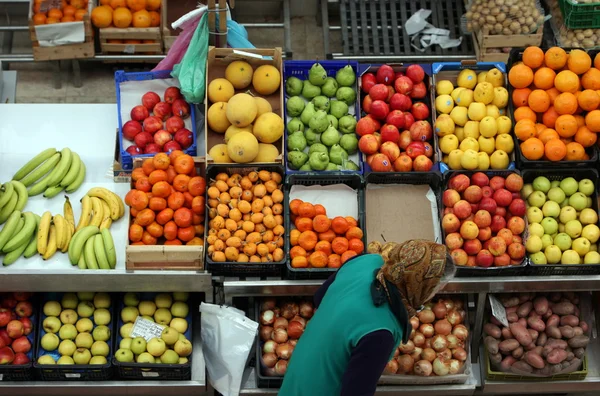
pixel 149 374
pixel 498 310
pixel 146 329
pixel 129 49
pixel 1 377
pixel 72 375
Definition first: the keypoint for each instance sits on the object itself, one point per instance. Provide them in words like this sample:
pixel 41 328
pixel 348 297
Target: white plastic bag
pixel 227 338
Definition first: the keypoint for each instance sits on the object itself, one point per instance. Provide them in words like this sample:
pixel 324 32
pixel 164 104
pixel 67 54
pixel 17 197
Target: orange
pixel 588 100
pixel 585 137
pixel 67 18
pixel 525 129
pixel 579 61
pixel 532 149
pixel 339 245
pixel 533 57
pixel 592 120
pixel 348 255
pixel 520 95
pixel 555 150
pixel 567 81
pixel 136 5
pixel 565 103
pixel 334 261
pixel 552 93
pixel 520 76
pixel 141 19
pixel 79 14
pixel 55 13
pixel 114 4
pixel 575 152
pixel 79 4
pixel 539 101
pixel 69 10
pixel 549 117
pixel 122 19
pixel 580 120
pixel 544 78
pixel 539 128
pixel 555 58
pixel 548 134
pixel 39 19
pixel 566 125
pixel 154 21
pixel 597 61
pixel 299 262
pixel 102 16
pixel 525 113
pixel 591 79
pixel 153 5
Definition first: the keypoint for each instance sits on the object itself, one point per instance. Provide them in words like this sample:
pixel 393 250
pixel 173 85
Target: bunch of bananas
pixel 55 231
pixel 18 236
pixel 100 207
pixel 93 248
pixel 13 198
pixel 52 171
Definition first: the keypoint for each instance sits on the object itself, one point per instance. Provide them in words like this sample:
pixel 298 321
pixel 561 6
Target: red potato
pixel 556 356
pixel 563 308
pixel 496 358
pixel 524 309
pixel 567 331
pixel 540 305
pixel 522 366
pixel 579 352
pixel 577 331
pixel 491 344
pixel 518 353
pixel 553 320
pixel 507 362
pixel 534 334
pixel 584 326
pixel 536 323
pixel 542 338
pixel 512 309
pixel 524 297
pixel 547 314
pixel 579 341
pixel 534 360
pixel 506 334
pixel 520 333
pixel 553 332
pixel 522 322
pixel 510 302
pixel 492 330
pixel 530 347
pixel 569 320
pixel 508 346
pixel 512 317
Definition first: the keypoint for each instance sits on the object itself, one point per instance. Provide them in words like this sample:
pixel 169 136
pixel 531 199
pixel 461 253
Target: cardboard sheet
pixel 60 34
pixel 338 199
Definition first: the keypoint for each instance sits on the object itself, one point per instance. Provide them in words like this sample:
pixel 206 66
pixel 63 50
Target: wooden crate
pixel 216 63
pixel 70 51
pixel 484 42
pixel 161 257
pixel 168 38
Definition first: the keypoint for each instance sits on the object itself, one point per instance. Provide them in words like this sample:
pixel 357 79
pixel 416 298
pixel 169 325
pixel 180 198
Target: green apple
pixel 67 348
pixel 556 194
pixel 124 355
pixel 581 246
pixel 84 340
pixel 593 247
pixel 49 341
pixel 156 347
pixel 181 296
pixel 69 301
pixel 52 308
pixel 84 325
pixel 553 254
pixel 564 203
pixel 67 332
pixel 169 357
pixel 534 215
pixel 569 185
pixel 592 258
pixel 101 316
pixel 150 318
pixel 570 257
pixel 536 229
pixel 586 186
pixel 85 296
pixel 162 316
pixel 157 360
pixel 182 360
pixel 102 300
pixel 65 360
pixel 131 299
pixel 46 359
pixel 578 201
pixel 588 216
pixel 85 309
pixel 555 183
pixel 550 225
pixel 182 336
pixel 567 214
pixel 101 333
pixel 125 343
pixel 125 330
pixel 138 345
pixel 51 324
pixel 68 316
pixel 547 240
pixel 98 360
pixel 561 228
pixel 183 348
pixel 563 241
pixel 180 309
pixel 533 244
pixel 179 324
pixel 537 199
pixel 542 184
pixel 589 202
pixel 163 300
pixel 573 228
pixel 147 308
pixel 170 335
pixel 100 348
pixel 551 209
pixel 145 357
pixel 129 314
pixel 591 232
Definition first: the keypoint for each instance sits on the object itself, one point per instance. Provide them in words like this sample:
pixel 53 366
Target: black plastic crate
pixel 516 55
pixel 354 181
pixel 559 174
pixel 481 271
pixel 244 269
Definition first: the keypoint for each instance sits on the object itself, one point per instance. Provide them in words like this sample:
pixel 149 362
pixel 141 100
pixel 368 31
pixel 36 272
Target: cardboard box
pixel 120 175
pixel 217 61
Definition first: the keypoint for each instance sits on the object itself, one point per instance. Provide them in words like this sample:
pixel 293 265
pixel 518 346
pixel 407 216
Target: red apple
pixel 20 358
pixel 403 163
pixel 422 164
pixel 459 257
pixel 487 191
pixel 474 208
pixel 181 108
pixel 143 139
pixel 370 159
pixel 497 246
pixel 415 149
pixel 484 234
pixel 150 99
pixel 4 317
pixel 488 204
pixel 389 133
pixel 391 92
pixel 400 102
pixel 502 260
pixel 174 124
pixel 366 104
pixel 22 296
pixel 429 152
pixel 408 120
pixel 500 211
pixel 403 85
pixel 171 94
pixel 6 355
pixel 473 194
pixel 131 128
pixel 517 207
pixel 502 197
pixel 505 234
pixel 514 183
pixel 161 137
pixel 385 75
pixel 5 337
pixel 498 223
pixel 367 81
pixel 419 91
pixel 24 308
pixel 379 92
pixel 471 261
pixel 153 124
pixel 415 73
pixel 446 210
pixel 450 198
pixel 472 247
pixel 365 126
pixel 420 111
pixel 368 144
pixel 21 345
pixel 14 328
pixel 480 179
pixel 184 137
pixel 379 109
pixel 450 223
pixel 390 149
pixel 395 118
pixel 27 325
pixel 134 150
pixel 171 146
pixel 485 258
pixel 482 218
pixel 517 239
pixel 398 74
pixel 462 209
pixel 381 163
pixel 516 195
pixel 404 140
pixel 139 113
pixel 516 251
pixel 421 131
pixel 454 241
pixel 152 148
pixel 516 224
pixel 497 182
pixel 162 110
pixel 459 183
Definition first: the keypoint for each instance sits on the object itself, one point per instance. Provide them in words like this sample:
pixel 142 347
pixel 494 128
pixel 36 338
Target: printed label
pixel 72 375
pixel 498 310
pixel 149 374
pixel 146 329
pixel 129 49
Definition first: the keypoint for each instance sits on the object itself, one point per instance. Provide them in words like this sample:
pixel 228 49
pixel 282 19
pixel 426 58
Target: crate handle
pixel 468 62
pixel 396 64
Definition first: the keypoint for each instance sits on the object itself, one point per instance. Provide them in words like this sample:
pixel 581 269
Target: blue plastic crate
pixel 300 70
pixel 121 76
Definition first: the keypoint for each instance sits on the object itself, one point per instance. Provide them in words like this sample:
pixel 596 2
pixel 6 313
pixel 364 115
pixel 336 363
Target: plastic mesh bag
pixel 505 17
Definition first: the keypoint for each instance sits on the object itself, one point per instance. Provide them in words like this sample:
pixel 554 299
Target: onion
pixel 449 304
pixel 439 310
pixel 442 327
pixel 405 364
pixel 277 312
pixel 418 339
pixel 454 366
pixel 295 329
pixel 284 351
pixel 445 354
pixel 416 354
pixel 453 341
pixel 300 320
pixel 270 372
pixel 427 343
pixel 412 334
pixel 306 310
pixel 461 332
pixel 280 336
pixel 280 323
pixel 269 359
pixel 414 322
pixel 428 305
pixel 426 316
pixel 463 315
pixel 281 367
pixel 439 343
pixel 428 354
pixel 391 367
pixel 459 354
pixel 287 313
pixel 454 317
pixel 396 352
pixel 295 309
pixel 423 368
pixel 408 347
pixel 293 342
pixel 269 346
pixel 268 304
pixel 459 304
pixel 440 367
pixel 266 333
pixel 427 330
pixel 267 318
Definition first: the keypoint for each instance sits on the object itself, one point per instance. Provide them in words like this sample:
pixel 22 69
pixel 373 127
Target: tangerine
pixel 154 20
pixel 555 58
pixel 579 61
pixel 299 262
pixel 539 101
pixel 544 78
pixel 566 125
pixel 555 150
pixel 39 18
pixel 308 240
pixel 294 205
pixel 533 57
pixel 532 149
pixel 354 232
pixel 334 261
pixel 328 236
pixel 520 76
pixel 323 246
pixel 321 223
pixel 356 245
pixel 339 245
pixel 347 255
pixel 306 209
pixel 318 259
pixel 340 225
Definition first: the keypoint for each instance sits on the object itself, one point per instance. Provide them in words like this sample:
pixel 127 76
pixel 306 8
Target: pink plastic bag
pixel 180 46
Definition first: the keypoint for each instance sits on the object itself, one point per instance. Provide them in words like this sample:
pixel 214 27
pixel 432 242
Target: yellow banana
pixel 43 231
pixel 68 214
pixel 111 198
pixel 107 221
pixel 97 212
pixel 51 243
pixel 86 211
pixel 61 226
pixel 121 204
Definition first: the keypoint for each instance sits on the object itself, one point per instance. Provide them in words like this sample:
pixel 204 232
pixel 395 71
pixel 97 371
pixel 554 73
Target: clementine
pixel 566 125
pixel 555 150
pixel 533 57
pixel 520 76
pixel 555 58
pixel 532 149
pixel 579 61
pixel 539 101
pixel 544 78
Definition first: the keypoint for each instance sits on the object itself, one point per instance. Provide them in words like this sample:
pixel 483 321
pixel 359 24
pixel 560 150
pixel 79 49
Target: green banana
pixel 78 241
pixel 9 208
pixel 9 190
pixel 88 252
pixel 9 228
pixel 78 180
pixel 14 255
pixel 52 192
pixel 41 171
pixel 81 263
pixel 34 163
pixel 22 236
pixel 40 186
pixel 31 248
pixel 109 248
pixel 22 192
pixel 100 252
pixel 73 171
pixel 66 156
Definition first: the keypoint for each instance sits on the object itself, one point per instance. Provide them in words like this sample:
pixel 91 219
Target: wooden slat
pixel 71 51
pixel 130 33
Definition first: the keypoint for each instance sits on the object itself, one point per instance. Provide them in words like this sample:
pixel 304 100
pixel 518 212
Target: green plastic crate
pixel 500 376
pixel 579 15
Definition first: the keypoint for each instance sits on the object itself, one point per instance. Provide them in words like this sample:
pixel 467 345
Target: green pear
pixel 294 106
pixel 312 137
pixel 330 87
pixel 332 167
pixel 337 154
pixel 308 113
pixel 293 86
pixel 296 159
pixel 347 124
pixel 345 77
pixel 346 95
pixel 338 109
pixel 349 142
pixel 295 125
pixel 318 148
pixel 309 90
pixel 317 74
pixel 306 167
pixel 296 141
pixel 321 102
pixel 332 121
pixel 319 121
pixel 318 161
pixel 350 165
pixel 330 137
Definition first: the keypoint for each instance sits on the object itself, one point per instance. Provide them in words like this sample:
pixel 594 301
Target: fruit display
pixel 438 343
pixel 76 329
pixel 395 133
pixel 167 201
pixel 546 334
pixel 483 220
pixel 246 217
pixel 321 117
pixel 556 104
pixel 17 325
pixel 563 221
pixel 249 121
pixel 126 13
pixel 316 241
pixel 159 125
pixel 471 124
pixel 281 325
pixel 169 310
pixel 506 17
pixel 46 13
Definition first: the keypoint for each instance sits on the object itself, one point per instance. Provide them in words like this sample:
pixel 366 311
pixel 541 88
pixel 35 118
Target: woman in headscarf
pixel 362 316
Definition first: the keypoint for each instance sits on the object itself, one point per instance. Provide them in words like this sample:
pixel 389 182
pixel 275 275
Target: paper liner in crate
pixel 338 199
pixel 58 34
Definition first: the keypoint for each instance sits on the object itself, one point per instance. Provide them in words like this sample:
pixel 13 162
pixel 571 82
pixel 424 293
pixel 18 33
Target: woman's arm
pixel 367 362
pixel 323 289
